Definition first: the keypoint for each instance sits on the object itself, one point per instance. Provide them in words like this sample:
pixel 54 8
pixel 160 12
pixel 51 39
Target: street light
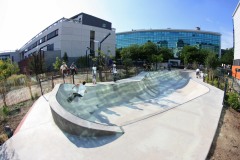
pixel 99 54
pixel 87 56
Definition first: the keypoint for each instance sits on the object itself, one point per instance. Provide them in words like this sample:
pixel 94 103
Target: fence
pixel 44 83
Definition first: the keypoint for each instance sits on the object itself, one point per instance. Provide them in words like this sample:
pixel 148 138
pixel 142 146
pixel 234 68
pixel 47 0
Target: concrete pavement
pixel 185 130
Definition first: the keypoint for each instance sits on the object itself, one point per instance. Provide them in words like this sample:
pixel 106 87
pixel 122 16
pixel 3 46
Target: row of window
pixel 4 57
pixel 170 39
pixel 163 33
pixel 42 40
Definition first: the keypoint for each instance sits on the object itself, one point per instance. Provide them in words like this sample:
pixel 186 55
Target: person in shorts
pixel 197 72
pixel 81 90
pixel 94 73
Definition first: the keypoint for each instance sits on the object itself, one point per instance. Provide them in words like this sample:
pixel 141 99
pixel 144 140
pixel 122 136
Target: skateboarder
pixel 81 90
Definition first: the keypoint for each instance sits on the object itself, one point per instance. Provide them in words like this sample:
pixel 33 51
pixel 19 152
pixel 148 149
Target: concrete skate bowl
pixel 105 108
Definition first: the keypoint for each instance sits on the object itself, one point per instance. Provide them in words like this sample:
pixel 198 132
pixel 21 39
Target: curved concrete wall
pixel 75 125
pixel 78 117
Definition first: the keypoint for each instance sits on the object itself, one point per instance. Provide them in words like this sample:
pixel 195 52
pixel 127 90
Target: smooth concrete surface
pixel 141 96
pixel 76 125
pixel 184 131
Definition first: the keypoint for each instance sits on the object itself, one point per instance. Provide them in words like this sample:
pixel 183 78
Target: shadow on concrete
pixel 7 153
pixel 91 142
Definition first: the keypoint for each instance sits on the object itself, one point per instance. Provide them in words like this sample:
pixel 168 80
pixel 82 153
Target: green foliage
pixel 191 54
pixel 215 82
pixel 7 68
pixel 5 110
pixel 127 62
pixel 233 100
pixel 166 54
pixel 57 63
pixel 36 63
pixel 211 61
pixel 35 96
pixel 16 80
pixel 187 54
pixel 148 49
pixel 65 57
pixel 227 56
pixel 118 55
pixel 4 89
pixel 156 59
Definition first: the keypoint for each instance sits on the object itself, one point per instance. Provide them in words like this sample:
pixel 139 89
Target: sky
pixel 21 20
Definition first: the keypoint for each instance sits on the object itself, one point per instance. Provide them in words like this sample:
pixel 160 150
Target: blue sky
pixel 21 20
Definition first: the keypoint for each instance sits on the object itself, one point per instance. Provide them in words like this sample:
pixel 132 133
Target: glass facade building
pixel 171 38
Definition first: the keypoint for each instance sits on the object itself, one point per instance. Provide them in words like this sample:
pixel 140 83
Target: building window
pixel 42 40
pixel 52 34
pixel 50 47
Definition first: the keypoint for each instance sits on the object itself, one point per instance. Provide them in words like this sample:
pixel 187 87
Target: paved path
pixel 183 132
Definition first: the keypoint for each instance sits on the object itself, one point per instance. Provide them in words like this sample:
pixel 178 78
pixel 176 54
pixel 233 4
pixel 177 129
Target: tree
pixel 7 68
pixel 4 89
pixel 211 61
pixel 36 63
pixel 166 53
pixel 127 62
pixel 156 59
pixel 148 49
pixel 65 57
pixel 118 55
pixel 187 55
pixel 57 63
pixel 227 57
pixel 134 50
pixel 191 54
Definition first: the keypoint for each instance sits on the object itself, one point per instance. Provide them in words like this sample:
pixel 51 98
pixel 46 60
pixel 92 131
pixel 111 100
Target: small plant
pixel 35 95
pixel 233 100
pixel 5 110
pixel 3 138
pixel 215 82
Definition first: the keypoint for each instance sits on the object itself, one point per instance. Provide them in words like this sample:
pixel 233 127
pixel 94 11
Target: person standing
pixel 73 69
pixel 197 72
pixel 94 74
pixel 64 69
pixel 114 72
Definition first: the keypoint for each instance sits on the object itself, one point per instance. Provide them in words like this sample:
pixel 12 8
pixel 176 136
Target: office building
pixel 174 39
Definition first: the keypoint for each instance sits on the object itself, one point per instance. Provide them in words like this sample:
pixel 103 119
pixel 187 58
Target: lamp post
pixel 99 54
pixel 87 56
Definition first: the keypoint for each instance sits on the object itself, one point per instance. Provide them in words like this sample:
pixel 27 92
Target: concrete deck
pixel 183 131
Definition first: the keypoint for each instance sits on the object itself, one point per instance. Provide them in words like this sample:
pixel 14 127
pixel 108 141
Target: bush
pixel 3 138
pixel 5 110
pixel 215 82
pixel 16 80
pixel 233 100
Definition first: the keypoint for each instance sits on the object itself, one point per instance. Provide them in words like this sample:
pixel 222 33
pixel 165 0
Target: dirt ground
pixel 14 120
pixel 225 146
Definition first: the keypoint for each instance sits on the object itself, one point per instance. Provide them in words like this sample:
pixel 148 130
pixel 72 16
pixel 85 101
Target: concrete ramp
pixel 177 120
pixel 132 99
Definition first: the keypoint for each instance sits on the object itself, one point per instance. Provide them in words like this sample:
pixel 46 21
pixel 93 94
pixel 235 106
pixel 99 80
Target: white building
pixel 236 26
pixel 76 36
